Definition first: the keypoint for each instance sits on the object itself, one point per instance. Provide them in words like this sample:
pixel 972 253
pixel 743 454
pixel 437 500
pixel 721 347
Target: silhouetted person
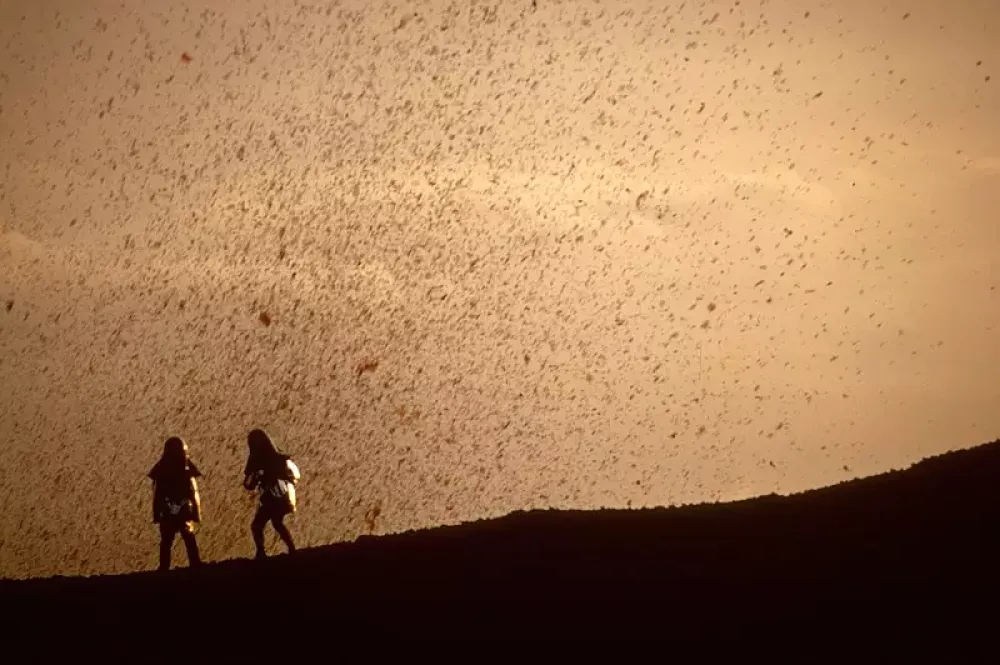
pixel 176 503
pixel 275 475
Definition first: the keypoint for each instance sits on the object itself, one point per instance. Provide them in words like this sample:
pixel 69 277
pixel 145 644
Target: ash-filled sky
pixel 463 258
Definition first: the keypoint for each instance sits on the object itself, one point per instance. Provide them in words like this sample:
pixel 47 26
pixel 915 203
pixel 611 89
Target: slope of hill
pixel 901 560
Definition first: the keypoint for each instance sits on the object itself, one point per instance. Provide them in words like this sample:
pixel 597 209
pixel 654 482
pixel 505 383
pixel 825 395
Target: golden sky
pixel 577 254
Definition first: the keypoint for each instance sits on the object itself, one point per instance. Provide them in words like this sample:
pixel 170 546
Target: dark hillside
pixel 901 561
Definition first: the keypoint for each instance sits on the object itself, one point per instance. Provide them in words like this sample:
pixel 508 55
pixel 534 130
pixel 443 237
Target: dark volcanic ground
pixel 464 258
pixel 901 563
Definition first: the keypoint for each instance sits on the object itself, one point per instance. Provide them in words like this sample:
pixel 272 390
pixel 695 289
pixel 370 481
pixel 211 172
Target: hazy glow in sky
pixel 577 254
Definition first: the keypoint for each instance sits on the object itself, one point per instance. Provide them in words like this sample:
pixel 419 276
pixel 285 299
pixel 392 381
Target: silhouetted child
pixel 176 504
pixel 275 475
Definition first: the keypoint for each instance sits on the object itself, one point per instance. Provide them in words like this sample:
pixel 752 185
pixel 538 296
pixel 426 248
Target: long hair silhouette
pixel 263 453
pixel 174 458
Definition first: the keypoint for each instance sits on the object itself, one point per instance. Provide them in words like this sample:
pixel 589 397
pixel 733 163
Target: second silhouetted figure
pixel 275 475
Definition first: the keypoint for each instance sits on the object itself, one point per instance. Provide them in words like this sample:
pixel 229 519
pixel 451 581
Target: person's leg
pixel 279 525
pixel 191 544
pixel 167 532
pixel 257 529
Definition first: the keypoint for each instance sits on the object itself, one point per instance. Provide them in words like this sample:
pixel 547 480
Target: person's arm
pixel 157 503
pixel 293 471
pixel 250 481
pixel 195 500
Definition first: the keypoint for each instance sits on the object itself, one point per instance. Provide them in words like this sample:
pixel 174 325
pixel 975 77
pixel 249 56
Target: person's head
pixel 260 444
pixel 175 450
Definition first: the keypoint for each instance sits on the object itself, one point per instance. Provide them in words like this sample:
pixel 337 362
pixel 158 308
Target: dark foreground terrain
pixel 902 563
